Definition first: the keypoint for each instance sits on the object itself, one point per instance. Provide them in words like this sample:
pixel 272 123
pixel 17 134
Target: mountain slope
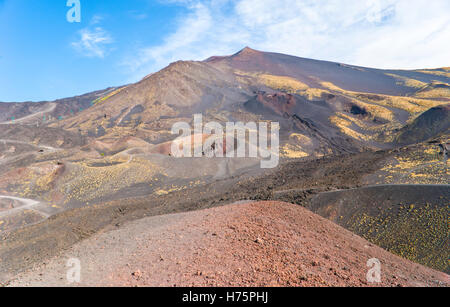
pixel 427 125
pixel 312 72
pixel 301 249
pixel 337 107
pixel 354 106
pixel 46 112
pixel 408 220
pixel 119 145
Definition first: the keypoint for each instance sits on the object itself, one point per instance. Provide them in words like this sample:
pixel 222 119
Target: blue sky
pixel 44 57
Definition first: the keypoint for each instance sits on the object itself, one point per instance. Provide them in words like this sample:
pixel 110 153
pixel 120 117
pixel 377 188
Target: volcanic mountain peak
pixel 248 51
pixel 115 144
pixel 336 100
pixel 360 104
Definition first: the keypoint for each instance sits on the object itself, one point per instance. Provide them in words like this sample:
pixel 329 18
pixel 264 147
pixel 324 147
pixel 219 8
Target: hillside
pixel 342 128
pixel 45 112
pixel 408 220
pixel 427 125
pixel 267 244
pixel 347 108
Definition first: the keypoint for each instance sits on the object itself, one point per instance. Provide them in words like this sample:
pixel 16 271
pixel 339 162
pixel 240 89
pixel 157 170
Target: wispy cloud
pixel 137 15
pixel 93 42
pixel 96 19
pixel 190 33
pixel 378 33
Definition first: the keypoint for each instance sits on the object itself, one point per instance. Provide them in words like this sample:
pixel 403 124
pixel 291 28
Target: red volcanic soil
pixel 252 244
pixel 279 103
pixel 166 148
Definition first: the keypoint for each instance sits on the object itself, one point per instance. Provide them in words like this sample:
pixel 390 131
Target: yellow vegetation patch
pixel 344 125
pixel 412 105
pixel 291 151
pixel 161 192
pixel 421 167
pixel 87 182
pixel 432 151
pixel 38 179
pixel 314 93
pixel 414 175
pixel 404 164
pixel 436 73
pixel 335 88
pixel 375 110
pixel 408 81
pixel 302 139
pixel 403 103
pixel 434 93
pixel 104 98
pixel 417 233
pixel 45 183
pixel 282 83
pixel 356 121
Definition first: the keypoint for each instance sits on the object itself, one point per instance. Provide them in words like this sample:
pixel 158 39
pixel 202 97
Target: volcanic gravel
pixel 244 244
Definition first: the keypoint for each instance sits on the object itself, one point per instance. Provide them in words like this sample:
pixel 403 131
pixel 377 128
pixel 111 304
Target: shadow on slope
pixel 428 125
pixel 408 220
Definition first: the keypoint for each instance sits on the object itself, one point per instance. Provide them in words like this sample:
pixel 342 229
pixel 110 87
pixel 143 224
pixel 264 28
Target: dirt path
pixel 29 144
pixel 28 204
pixel 245 244
pixel 50 108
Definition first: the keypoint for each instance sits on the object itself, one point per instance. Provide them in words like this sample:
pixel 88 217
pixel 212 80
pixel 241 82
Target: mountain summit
pixel 338 107
pixel 97 161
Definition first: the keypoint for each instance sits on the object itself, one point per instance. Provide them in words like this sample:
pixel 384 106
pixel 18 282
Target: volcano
pixel 74 167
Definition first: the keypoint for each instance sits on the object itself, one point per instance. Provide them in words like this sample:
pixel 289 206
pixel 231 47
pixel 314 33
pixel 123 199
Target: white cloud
pixel 96 19
pixel 376 33
pixel 93 42
pixel 137 15
pixel 190 33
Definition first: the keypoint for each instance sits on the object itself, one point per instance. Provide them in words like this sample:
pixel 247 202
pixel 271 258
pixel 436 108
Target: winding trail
pixel 4 160
pixel 28 143
pixel 27 204
pixel 50 108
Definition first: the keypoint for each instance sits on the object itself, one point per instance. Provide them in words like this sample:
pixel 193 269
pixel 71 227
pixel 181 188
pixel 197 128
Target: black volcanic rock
pixel 428 125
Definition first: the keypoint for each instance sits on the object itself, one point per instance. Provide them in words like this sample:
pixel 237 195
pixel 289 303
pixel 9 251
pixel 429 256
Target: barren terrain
pixel 246 244
pixel 76 170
